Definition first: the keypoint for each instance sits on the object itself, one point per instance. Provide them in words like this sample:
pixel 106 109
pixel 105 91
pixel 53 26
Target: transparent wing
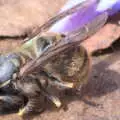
pixel 79 7
pixel 72 39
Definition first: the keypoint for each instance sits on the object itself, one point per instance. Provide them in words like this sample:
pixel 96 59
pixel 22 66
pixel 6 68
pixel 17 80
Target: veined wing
pixel 73 39
pixel 79 7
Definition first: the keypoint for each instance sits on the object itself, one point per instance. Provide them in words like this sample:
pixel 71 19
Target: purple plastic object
pixel 76 20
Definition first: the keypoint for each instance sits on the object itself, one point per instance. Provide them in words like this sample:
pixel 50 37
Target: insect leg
pixel 45 93
pixel 34 105
pixel 34 90
pixel 10 103
pixel 57 82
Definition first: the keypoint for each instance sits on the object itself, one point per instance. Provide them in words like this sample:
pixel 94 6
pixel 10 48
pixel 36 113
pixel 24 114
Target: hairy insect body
pixel 37 45
pixel 71 66
pixel 67 70
pixel 33 84
pixel 29 88
pixel 47 61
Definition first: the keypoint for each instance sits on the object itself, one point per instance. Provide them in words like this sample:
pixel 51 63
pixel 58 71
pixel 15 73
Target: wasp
pixel 47 61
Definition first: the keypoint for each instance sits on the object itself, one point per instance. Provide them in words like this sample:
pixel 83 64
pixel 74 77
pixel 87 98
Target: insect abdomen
pixel 71 65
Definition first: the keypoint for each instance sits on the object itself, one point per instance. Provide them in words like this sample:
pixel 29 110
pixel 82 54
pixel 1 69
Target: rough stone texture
pixel 20 16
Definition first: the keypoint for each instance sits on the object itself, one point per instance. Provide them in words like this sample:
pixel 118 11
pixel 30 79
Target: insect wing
pixel 79 7
pixel 73 39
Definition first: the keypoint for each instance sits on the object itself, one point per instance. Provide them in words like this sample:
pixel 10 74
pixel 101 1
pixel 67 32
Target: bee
pixel 48 61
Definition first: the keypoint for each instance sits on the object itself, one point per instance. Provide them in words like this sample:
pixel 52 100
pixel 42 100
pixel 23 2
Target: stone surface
pixel 101 98
pixel 19 17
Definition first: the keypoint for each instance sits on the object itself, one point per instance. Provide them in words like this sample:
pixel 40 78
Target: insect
pixel 50 60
